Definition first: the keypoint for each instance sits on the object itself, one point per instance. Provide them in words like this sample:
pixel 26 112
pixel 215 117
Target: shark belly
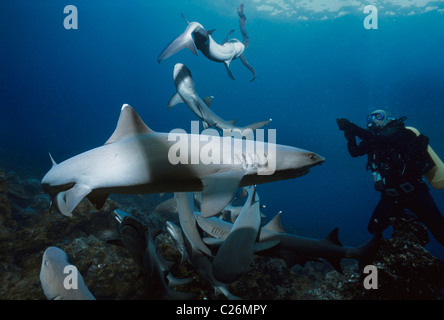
pixel 222 53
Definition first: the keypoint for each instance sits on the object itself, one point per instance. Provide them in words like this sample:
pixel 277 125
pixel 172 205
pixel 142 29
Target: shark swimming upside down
pixel 195 37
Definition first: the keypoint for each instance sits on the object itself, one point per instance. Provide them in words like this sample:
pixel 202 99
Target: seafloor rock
pixel 406 270
pixel 27 227
pixel 5 211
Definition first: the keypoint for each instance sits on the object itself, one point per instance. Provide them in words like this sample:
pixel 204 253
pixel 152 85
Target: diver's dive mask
pixel 378 119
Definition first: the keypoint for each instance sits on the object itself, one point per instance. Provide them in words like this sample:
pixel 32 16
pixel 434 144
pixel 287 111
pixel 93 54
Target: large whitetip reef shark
pixel 55 278
pixel 137 160
pixel 195 37
pixel 186 93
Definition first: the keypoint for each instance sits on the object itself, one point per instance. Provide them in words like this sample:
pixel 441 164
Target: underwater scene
pixel 222 150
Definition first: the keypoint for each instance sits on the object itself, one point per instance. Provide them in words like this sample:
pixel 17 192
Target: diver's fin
pixel 245 62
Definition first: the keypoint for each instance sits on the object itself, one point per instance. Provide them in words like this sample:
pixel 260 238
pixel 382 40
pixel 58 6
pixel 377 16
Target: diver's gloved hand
pixel 344 124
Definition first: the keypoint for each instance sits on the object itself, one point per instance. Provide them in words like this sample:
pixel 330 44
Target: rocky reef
pixel 27 227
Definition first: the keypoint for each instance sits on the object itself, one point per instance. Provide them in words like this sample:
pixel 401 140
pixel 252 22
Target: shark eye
pixel 312 156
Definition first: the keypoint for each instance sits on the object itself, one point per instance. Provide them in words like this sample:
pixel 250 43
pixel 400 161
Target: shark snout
pixel 181 73
pixel 315 158
pixel 177 69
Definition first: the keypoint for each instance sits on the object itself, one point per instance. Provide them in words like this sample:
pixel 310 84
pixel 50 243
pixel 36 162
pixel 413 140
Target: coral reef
pixel 27 227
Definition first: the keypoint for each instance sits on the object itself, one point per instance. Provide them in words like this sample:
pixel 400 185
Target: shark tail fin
pixel 185 40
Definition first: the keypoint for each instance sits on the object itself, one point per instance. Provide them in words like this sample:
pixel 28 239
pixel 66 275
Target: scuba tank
pixel 435 176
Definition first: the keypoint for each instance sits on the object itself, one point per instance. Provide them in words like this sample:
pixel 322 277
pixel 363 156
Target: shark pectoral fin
pixel 175 99
pixel 227 66
pixel 218 190
pixel 265 245
pixel 66 201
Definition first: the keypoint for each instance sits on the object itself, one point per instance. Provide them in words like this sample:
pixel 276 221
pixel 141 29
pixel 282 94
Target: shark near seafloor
pixel 137 160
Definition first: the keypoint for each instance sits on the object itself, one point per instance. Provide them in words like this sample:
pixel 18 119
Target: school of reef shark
pixel 217 238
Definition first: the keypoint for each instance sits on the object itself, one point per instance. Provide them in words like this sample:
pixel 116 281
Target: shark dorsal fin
pixel 208 100
pixel 129 124
pixel 275 224
pixel 333 237
pixel 52 160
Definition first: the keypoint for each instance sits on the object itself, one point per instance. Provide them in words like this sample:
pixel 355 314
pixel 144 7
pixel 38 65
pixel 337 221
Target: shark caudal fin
pixel 185 40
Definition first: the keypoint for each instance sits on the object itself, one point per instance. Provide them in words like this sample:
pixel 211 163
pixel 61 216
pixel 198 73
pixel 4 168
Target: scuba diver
pixel 398 158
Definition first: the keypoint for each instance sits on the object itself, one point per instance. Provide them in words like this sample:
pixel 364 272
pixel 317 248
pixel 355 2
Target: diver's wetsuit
pixel 400 157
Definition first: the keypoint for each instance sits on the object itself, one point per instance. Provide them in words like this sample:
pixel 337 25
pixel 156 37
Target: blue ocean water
pixel 61 90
